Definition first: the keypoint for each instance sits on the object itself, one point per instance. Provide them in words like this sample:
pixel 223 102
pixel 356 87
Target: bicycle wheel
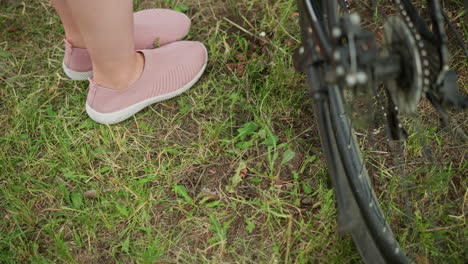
pixel 352 159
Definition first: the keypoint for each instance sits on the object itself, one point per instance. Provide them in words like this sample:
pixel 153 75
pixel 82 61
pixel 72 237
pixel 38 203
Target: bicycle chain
pixel 430 63
pixel 428 75
pixel 428 67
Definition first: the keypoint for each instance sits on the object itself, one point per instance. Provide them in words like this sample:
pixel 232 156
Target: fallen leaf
pixel 238 68
pixel 294 14
pixel 240 57
pixel 422 260
pixel 13 29
pixel 263 42
pixel 280 184
pixel 290 43
pixel 243 173
pixel 379 35
pixel 238 177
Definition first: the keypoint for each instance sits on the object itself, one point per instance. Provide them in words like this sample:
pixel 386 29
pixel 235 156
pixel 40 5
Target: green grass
pixel 230 172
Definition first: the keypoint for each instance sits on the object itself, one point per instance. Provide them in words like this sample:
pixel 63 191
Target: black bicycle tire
pixel 375 221
pixel 360 233
pixel 349 211
pixel 374 246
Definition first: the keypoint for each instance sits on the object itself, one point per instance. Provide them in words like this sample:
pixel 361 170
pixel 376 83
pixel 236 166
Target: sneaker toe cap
pixel 155 27
pixel 183 61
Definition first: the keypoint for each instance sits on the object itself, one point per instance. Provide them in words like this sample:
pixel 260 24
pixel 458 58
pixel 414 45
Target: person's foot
pixel 152 28
pixel 168 71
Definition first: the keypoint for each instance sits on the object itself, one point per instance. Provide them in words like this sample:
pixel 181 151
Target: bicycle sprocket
pixel 408 88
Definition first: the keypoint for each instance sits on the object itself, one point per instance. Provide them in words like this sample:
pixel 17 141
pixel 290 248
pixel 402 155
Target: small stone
pixel 91 194
pixel 206 192
pixel 308 201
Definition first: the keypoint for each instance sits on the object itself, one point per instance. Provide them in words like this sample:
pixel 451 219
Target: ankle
pixel 76 42
pixel 120 76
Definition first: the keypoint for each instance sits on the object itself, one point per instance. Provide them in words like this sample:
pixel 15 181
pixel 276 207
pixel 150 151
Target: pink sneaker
pixel 163 25
pixel 169 71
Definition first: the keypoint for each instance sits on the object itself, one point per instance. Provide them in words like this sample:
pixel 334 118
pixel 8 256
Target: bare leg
pixel 72 32
pixel 107 29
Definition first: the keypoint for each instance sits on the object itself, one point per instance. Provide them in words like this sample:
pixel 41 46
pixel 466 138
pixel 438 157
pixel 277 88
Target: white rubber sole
pixel 121 115
pixel 77 76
